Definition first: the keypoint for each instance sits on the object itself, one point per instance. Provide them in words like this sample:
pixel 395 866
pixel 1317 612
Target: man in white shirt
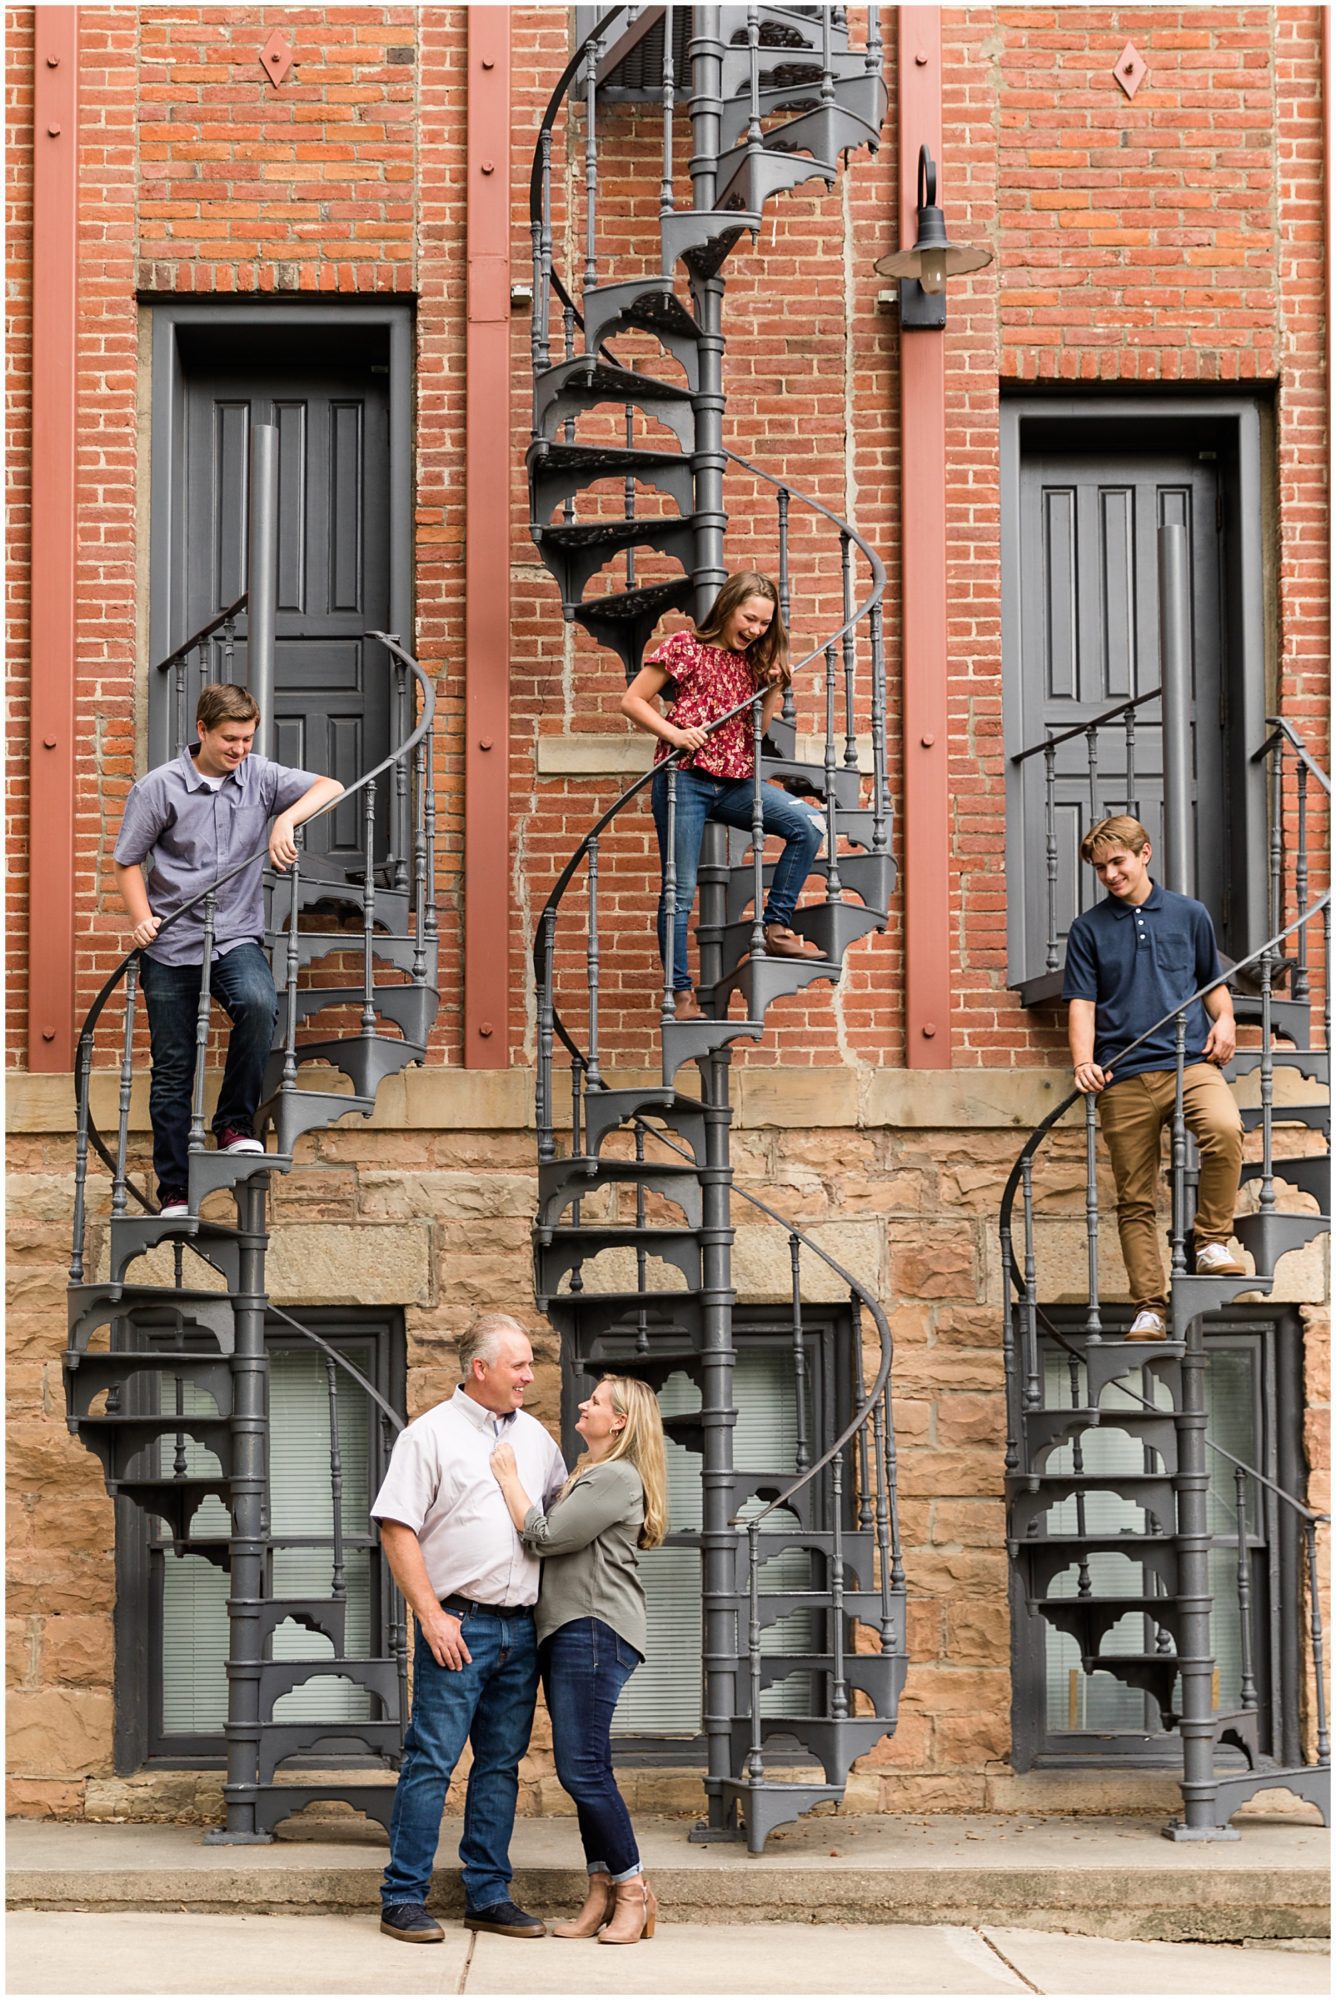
pixel 449 1539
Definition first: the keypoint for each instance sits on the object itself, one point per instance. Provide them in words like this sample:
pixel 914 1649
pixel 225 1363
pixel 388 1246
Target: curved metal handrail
pixel 1279 727
pixel 349 1368
pixel 83 1055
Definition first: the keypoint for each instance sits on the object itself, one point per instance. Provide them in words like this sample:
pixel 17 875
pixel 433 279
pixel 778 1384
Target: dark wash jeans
pixel 489 1703
pixel 585 1667
pixel 242 982
pixel 701 797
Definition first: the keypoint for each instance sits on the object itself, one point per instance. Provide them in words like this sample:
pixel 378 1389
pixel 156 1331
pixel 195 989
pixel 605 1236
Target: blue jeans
pixel 701 797
pixel 242 981
pixel 585 1667
pixel 488 1703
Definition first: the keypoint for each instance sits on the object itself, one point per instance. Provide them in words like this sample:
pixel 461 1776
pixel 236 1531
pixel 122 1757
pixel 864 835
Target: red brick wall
pixel 18 485
pixel 1173 237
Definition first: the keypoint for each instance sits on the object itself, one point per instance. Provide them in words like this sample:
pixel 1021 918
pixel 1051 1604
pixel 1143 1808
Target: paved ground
pixel 1115 1878
pixel 158 1951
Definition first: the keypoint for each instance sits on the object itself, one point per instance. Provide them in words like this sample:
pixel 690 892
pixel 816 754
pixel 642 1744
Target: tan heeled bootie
pixel 634 1913
pixel 597 1910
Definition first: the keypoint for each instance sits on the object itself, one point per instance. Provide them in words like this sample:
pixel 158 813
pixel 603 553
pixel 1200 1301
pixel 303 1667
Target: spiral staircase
pixel 166 1369
pixel 1111 1542
pixel 632 1237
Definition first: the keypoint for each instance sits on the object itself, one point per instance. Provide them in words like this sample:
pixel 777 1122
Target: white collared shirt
pixel 441 1485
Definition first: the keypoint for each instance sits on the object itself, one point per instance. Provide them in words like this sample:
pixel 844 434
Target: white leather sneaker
pixel 1146 1326
pixel 1214 1261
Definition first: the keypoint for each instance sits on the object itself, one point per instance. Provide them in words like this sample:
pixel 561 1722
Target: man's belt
pixel 458 1606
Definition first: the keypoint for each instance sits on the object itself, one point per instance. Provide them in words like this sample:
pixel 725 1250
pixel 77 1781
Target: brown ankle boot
pixel 781 942
pixel 686 1007
pixel 633 1915
pixel 598 1906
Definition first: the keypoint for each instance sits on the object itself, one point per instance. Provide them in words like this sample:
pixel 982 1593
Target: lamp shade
pixel 934 257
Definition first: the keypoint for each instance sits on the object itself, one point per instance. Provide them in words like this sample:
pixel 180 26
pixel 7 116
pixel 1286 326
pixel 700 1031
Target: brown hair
pixel 224 701
pixel 1119 830
pixel 771 650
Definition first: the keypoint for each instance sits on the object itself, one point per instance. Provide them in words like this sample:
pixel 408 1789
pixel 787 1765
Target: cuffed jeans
pixel 1132 1115
pixel 585 1667
pixel 701 797
pixel 488 1702
pixel 243 984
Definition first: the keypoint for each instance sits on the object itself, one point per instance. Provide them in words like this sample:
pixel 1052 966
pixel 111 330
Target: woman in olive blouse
pixel 591 1630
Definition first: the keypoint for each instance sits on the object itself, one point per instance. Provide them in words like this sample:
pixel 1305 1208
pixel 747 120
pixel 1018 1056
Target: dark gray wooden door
pixel 1089 612
pixel 332 687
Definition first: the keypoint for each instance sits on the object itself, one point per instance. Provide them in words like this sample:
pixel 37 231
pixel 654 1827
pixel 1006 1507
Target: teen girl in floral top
pixel 742 646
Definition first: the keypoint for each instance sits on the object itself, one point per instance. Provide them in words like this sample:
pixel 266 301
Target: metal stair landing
pixel 166 1382
pixel 645 1174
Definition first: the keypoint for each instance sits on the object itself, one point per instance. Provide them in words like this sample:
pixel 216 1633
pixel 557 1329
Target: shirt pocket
pixel 243 827
pixel 1178 962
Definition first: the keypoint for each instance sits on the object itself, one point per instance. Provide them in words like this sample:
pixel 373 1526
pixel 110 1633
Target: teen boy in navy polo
pixel 186 823
pixel 1132 959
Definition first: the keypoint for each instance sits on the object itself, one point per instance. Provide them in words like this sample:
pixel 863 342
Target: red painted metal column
pixel 926 874
pixel 487 891
pixel 55 215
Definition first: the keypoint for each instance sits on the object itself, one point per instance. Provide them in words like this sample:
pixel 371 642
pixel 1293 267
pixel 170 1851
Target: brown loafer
pixel 781 942
pixel 686 1007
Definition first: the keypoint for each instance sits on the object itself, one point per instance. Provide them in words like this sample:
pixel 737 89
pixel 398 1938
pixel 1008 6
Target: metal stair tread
pixel 628 604
pixel 612 532
pixel 610 458
pixel 608 380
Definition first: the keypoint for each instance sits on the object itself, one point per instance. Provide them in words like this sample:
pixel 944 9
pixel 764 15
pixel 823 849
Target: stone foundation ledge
pixel 1108 1877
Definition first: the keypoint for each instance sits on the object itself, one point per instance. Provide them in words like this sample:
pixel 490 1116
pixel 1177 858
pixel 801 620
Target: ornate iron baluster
pixel 1266 1199
pixel 754 138
pixel 667 97
pixel 860 1403
pixel 591 165
pixel 1009 1375
pixel 757 834
pixel 430 829
pixel 893 1490
pixel 802 1457
pixel 1093 1325
pixel 546 1144
pixel 196 1143
pixel 592 1072
pixel 369 911
pixel 642 1263
pixel 401 781
pixel 229 647
pixel 118 1195
pixel 1051 852
pixel 1276 918
pixel 668 1009
pixel 419 865
pixel 542 291
pixel 179 701
pixel 1078 1468
pixel 78 1221
pixel 1092 771
pixel 755 1761
pixel 881 784
pixel 839 1693
pixel 834 887
pixel 1247 1685
pixel 338 1585
pixel 629 495
pixel 180 1457
pixel 1315 1627
pixel 1300 987
pixel 1130 738
pixel 293 966
pixel 1178 1234
pixel 1033 1391
pixel 849 641
pixel 790 709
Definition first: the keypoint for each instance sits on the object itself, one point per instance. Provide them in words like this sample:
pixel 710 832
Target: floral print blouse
pixel 706 681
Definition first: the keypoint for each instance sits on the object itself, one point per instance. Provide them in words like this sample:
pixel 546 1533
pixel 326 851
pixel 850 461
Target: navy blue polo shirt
pixel 1137 963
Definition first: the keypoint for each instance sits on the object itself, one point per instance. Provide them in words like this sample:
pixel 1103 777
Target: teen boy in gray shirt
pixel 186 824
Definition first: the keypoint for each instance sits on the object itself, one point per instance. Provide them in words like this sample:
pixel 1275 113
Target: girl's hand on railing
pixel 1090 1079
pixel 145 932
pixel 689 739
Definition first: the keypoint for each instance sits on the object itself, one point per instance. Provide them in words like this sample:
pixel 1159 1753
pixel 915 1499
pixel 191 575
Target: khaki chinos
pixel 1132 1115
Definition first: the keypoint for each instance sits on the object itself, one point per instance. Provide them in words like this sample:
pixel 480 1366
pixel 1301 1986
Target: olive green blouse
pixel 588 1544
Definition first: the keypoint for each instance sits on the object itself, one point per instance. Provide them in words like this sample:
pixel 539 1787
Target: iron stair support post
pixel 718 1417
pixel 246 1543
pixel 1196 1662
pixel 262 579
pixel 1176 706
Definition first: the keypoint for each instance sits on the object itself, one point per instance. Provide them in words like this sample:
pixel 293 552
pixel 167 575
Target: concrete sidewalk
pixel 160 1952
pixel 1110 1878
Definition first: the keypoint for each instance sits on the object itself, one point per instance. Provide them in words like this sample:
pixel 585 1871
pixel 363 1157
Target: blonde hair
pixel 1120 830
pixel 640 1441
pixel 772 648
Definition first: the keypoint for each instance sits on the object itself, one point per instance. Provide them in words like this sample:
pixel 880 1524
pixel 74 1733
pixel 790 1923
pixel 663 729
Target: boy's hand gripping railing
pixel 416 747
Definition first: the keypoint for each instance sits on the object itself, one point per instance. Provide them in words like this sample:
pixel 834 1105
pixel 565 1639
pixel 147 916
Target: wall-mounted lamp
pixel 924 270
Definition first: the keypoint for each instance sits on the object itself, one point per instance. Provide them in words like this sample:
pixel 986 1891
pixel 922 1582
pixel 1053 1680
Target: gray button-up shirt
pixel 185 834
pixel 440 1484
